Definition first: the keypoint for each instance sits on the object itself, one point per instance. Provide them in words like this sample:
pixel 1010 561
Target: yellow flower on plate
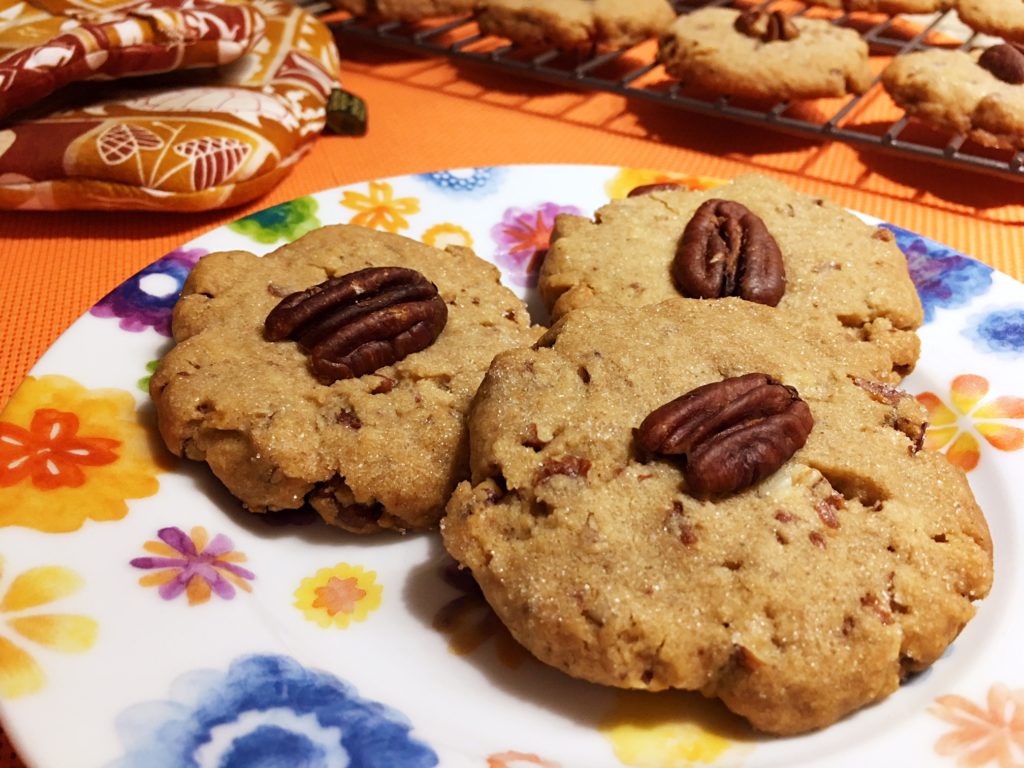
pixel 380 209
pixel 674 729
pixel 69 454
pixel 443 235
pixel 338 596
pixel 20 673
pixel 630 178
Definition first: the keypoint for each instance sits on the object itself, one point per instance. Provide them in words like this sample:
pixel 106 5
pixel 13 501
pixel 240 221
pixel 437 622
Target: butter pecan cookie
pixel 252 385
pixel 954 91
pixel 802 573
pixel 574 23
pixel 1004 18
pixel 744 54
pixel 890 7
pixel 405 10
pixel 652 247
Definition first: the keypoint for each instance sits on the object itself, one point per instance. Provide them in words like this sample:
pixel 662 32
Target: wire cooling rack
pixel 636 74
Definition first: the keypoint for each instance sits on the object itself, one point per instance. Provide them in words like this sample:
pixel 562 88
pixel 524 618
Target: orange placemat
pixel 430 114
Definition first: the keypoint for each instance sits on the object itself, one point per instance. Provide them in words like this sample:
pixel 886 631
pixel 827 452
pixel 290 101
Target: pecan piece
pixel 767 26
pixel 354 324
pixel 726 250
pixel 1005 61
pixel 731 433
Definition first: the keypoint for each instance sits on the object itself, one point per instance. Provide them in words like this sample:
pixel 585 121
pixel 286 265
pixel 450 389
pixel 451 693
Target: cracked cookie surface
pixel 838 269
pixel 950 91
pixel 795 601
pixel 383 450
pixel 704 48
pixel 574 23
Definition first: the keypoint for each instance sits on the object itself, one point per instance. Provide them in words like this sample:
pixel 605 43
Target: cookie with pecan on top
pixel 704 496
pixel 799 253
pixel 753 54
pixel 335 372
pixel 979 93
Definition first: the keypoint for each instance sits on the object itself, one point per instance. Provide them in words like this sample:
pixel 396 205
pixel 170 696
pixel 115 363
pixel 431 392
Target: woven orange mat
pixel 430 114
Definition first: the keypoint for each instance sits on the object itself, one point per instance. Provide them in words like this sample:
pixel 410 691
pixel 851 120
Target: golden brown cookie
pixel 796 600
pixel 891 7
pixel 835 265
pixel 706 48
pixel 574 23
pixel 404 10
pixel 382 450
pixel 1004 18
pixel 950 91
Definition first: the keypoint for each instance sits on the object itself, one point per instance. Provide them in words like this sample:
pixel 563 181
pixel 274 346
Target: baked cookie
pixel 891 7
pixel 752 54
pixel 834 264
pixel 951 91
pixel 574 23
pixel 380 450
pixel 796 600
pixel 404 10
pixel 1003 18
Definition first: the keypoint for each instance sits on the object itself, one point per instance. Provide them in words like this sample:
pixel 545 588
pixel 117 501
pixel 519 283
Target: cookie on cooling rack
pixel 808 256
pixel 349 395
pixel 890 7
pixel 1004 18
pixel 574 23
pixel 777 540
pixel 978 93
pixel 765 55
pixel 404 10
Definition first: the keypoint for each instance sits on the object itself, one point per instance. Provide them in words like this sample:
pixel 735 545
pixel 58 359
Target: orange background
pixel 430 114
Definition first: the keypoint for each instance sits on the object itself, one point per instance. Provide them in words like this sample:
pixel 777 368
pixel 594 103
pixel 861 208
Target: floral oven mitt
pixel 196 140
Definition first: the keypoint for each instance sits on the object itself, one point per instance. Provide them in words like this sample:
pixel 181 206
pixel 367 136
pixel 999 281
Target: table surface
pixel 430 114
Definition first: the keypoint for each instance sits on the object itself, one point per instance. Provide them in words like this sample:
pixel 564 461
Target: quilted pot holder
pixel 188 141
pixel 47 44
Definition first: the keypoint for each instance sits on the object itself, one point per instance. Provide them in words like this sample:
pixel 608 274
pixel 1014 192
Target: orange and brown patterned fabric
pixel 47 44
pixel 187 141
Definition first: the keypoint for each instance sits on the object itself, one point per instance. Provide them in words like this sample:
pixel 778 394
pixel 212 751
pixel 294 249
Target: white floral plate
pixel 149 622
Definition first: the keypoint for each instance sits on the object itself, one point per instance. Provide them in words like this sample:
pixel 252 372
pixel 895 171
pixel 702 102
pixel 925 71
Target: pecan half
pixel 726 250
pixel 1005 61
pixel 354 324
pixel 767 26
pixel 731 433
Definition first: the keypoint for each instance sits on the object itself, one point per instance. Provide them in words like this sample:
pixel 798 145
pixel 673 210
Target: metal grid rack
pixel 623 72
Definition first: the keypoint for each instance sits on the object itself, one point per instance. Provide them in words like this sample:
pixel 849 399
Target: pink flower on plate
pixel 523 237
pixel 983 735
pixel 194 565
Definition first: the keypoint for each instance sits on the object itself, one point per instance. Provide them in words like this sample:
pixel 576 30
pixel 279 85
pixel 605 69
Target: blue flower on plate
pixel 463 180
pixel 943 277
pixel 1000 331
pixel 145 299
pixel 267 712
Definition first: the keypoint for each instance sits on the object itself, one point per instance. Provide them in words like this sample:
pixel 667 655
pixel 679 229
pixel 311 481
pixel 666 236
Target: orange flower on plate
pixel 953 430
pixel 983 735
pixel 380 209
pixel 20 673
pixel 69 454
pixel 338 596
pixel 629 179
pixel 443 235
